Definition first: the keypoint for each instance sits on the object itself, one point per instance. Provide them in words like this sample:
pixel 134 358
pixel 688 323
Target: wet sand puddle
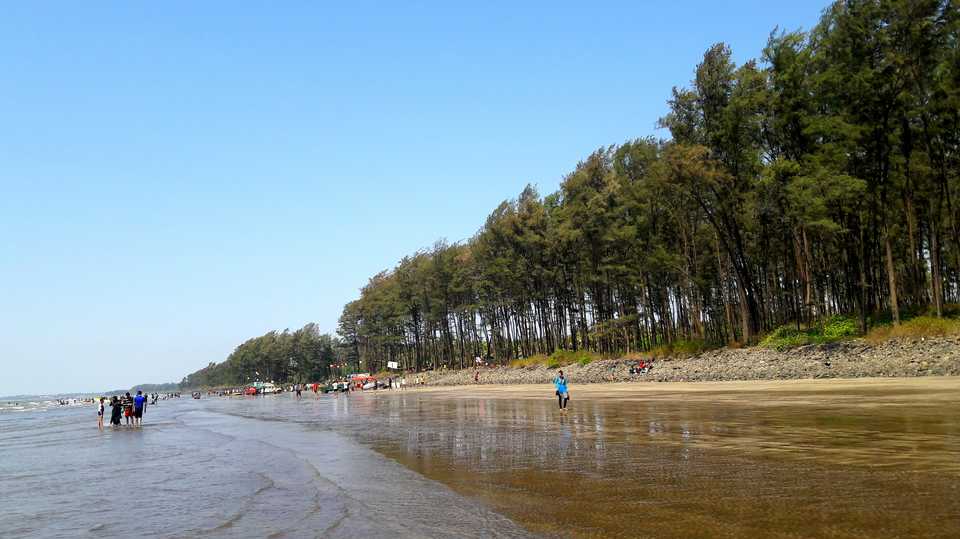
pixel 874 458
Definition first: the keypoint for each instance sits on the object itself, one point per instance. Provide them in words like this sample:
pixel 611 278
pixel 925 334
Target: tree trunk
pixel 892 276
pixel 936 284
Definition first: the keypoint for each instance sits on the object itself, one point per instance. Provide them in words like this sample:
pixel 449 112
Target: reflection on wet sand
pixel 876 458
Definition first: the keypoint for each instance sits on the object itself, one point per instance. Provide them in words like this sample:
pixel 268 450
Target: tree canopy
pixel 282 357
pixel 816 180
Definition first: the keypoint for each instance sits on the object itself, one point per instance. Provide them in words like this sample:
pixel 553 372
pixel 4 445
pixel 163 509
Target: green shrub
pixel 838 327
pixel 832 329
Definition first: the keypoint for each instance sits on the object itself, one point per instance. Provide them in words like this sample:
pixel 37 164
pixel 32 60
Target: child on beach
pixel 563 395
pixel 100 414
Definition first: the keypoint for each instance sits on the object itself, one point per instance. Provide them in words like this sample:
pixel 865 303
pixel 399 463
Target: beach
pixel 794 458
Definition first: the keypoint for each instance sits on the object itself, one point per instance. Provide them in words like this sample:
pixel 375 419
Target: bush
pixel 922 326
pixel 680 348
pixel 557 359
pixel 832 329
pixel 838 327
pixel 538 359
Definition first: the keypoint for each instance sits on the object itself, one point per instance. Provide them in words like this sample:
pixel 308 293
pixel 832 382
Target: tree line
pixel 817 180
pixel 304 355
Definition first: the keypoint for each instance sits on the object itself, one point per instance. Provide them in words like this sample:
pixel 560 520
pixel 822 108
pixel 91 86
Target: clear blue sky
pixel 180 176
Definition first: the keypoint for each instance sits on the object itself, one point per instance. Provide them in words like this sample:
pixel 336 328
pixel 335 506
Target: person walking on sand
pixel 139 403
pixel 297 388
pixel 476 376
pixel 563 395
pixel 100 414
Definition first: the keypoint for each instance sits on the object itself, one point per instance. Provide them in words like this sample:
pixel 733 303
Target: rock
pixel 936 356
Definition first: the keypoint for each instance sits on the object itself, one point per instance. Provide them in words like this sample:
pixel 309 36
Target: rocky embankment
pixel 849 359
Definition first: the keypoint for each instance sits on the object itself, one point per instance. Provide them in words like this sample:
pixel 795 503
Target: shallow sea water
pixel 202 469
pixel 811 459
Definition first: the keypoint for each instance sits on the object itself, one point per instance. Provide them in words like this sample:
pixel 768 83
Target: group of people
pixel 641 367
pixel 397 383
pixel 300 388
pixel 129 407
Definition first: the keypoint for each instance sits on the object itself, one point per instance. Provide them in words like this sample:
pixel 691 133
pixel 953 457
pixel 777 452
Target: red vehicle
pixel 250 391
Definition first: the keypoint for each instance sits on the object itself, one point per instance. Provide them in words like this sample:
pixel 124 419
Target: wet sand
pixel 799 458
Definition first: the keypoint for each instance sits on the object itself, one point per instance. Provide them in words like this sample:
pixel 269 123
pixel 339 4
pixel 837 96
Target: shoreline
pixel 854 359
pixel 630 391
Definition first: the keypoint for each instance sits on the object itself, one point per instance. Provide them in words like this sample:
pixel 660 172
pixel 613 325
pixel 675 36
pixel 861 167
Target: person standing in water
pixel 100 414
pixel 563 395
pixel 127 402
pixel 139 402
pixel 115 410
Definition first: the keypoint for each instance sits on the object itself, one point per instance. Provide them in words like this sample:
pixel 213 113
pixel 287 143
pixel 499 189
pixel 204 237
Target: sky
pixel 177 177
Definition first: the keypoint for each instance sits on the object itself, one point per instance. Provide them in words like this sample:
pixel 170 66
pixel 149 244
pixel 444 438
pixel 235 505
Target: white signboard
pixel 392 365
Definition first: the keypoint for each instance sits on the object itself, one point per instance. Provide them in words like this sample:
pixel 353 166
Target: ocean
pixel 268 467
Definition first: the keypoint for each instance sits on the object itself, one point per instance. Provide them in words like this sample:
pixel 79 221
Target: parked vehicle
pixel 270 389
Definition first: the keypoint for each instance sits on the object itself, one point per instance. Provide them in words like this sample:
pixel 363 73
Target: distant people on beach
pixel 298 388
pixel 563 395
pixel 476 376
pixel 130 407
pixel 642 367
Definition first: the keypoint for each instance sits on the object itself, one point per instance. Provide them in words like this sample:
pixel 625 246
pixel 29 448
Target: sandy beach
pixel 860 457
pixel 933 386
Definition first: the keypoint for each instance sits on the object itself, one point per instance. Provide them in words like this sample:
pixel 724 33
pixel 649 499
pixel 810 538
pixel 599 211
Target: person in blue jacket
pixel 138 404
pixel 562 394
